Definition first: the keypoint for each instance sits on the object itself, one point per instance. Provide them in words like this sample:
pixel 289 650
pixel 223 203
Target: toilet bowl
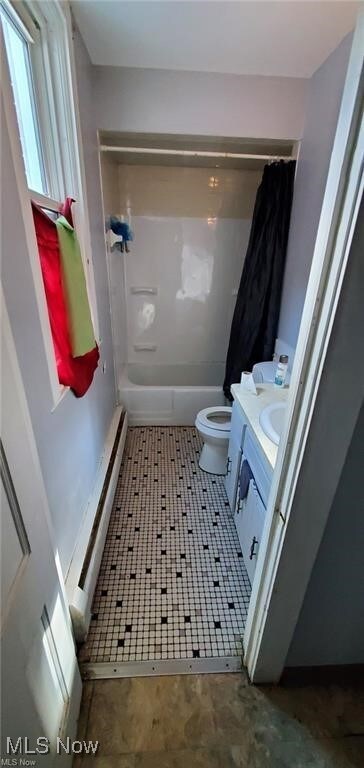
pixel 213 424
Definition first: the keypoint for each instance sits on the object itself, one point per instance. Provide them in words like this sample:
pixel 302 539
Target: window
pixel 17 48
pixel 38 45
pixel 39 56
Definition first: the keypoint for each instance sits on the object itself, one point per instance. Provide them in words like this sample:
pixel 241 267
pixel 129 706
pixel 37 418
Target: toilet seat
pixel 216 417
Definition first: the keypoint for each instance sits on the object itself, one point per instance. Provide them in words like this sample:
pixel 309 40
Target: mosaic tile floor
pixel 172 583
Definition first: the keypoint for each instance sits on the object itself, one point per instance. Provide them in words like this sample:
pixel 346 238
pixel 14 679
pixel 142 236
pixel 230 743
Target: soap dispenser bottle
pixel 281 371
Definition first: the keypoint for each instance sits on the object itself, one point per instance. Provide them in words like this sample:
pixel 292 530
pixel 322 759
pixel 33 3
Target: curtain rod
pixel 192 153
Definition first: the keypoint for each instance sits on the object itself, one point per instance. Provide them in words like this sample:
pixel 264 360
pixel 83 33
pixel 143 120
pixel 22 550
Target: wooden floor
pixel 220 721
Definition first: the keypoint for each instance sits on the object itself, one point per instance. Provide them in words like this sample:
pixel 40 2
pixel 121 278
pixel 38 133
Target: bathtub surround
pixel 173 587
pixel 255 321
pixel 173 294
pixel 187 192
pixel 193 266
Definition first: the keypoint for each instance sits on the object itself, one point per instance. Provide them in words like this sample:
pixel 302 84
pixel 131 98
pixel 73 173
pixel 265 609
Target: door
pixel 250 528
pixel 41 685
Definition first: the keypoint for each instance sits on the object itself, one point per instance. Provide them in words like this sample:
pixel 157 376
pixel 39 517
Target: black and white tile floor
pixel 172 583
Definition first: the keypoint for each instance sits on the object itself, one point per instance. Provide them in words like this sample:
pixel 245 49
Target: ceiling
pixel 283 38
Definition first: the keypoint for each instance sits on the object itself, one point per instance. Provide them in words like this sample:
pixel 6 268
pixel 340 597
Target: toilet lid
pixel 216 417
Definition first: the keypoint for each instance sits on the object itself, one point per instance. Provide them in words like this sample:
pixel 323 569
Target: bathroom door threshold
pixel 109 669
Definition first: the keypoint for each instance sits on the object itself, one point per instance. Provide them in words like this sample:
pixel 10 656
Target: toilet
pixel 213 424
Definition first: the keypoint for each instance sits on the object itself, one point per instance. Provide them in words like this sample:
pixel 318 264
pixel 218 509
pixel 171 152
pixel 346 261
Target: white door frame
pixel 265 655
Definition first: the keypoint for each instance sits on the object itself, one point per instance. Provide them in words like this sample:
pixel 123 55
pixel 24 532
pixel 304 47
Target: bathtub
pixel 169 394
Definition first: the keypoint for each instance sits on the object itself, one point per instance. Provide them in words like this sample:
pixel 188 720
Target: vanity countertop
pixel 252 405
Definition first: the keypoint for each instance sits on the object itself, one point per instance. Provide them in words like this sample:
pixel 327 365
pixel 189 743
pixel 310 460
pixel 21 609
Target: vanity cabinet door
pixel 251 524
pixel 232 472
pixel 240 515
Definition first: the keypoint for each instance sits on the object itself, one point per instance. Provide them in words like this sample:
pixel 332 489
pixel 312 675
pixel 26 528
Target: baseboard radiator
pixel 83 572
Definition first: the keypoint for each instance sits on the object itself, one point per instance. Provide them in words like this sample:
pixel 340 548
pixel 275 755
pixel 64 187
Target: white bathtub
pixel 170 394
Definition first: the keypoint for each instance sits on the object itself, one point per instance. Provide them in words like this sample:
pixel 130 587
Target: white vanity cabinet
pixel 237 432
pixel 249 442
pixel 249 513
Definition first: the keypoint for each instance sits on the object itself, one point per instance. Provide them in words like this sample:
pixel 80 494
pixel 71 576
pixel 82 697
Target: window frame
pixel 26 38
pixel 48 29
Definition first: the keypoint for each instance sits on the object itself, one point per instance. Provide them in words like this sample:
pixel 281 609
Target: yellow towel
pixel 74 285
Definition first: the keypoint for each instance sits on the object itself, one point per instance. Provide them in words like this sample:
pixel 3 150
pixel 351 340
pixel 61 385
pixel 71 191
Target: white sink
pixel 271 420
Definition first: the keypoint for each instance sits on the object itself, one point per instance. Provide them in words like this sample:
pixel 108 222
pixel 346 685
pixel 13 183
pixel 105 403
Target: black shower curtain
pixel 255 321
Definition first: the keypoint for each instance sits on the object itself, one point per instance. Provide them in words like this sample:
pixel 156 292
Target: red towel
pixel 74 372
pixel 66 209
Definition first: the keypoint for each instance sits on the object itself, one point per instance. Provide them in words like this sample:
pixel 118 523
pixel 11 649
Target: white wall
pixel 324 97
pixel 70 439
pixel 162 101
